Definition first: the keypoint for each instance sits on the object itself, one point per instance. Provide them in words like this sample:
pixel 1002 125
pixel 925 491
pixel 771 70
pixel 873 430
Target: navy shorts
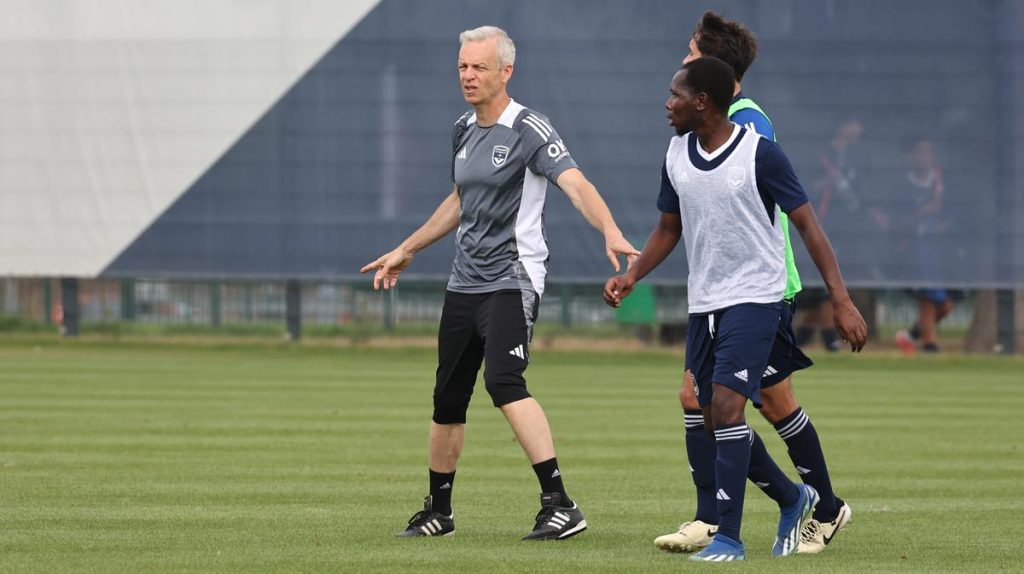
pixel 786 357
pixel 742 347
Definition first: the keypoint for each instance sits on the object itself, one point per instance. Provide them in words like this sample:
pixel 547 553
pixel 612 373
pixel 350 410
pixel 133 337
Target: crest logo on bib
pixel 736 176
pixel 498 155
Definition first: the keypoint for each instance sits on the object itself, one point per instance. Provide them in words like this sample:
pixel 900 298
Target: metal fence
pixel 214 303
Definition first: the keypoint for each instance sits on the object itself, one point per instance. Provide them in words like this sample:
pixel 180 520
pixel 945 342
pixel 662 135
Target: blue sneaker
pixel 721 549
pixel 792 520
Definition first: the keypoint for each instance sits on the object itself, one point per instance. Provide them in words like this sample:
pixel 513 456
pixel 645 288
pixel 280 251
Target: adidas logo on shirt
pixel 741 375
pixel 518 352
pixel 722 495
pixel 462 154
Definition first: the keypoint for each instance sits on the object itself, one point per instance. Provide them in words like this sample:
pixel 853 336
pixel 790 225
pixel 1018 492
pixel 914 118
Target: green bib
pixel 793 285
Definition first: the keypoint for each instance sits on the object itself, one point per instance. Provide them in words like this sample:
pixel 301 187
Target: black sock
pixel 441 484
pixel 551 479
pixel 805 452
pixel 915 332
pixel 731 466
pixel 768 476
pixel 701 453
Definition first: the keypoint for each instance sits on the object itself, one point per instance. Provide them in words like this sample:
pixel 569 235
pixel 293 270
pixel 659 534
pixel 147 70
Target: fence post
pixel 69 303
pixel 565 295
pixel 214 303
pixel 248 302
pixel 389 308
pixel 11 296
pixel 127 299
pixel 47 302
pixel 293 309
pixel 1005 319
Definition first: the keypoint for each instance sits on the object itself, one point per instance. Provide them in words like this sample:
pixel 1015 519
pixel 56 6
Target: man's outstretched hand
pixel 389 266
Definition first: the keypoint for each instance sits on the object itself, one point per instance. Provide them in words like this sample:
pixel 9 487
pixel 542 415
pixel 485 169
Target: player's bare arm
pixel 390 265
pixel 848 320
pixel 587 200
pixel 660 243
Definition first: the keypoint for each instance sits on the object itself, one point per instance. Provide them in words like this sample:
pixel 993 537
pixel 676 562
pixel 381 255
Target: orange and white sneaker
pixel 905 342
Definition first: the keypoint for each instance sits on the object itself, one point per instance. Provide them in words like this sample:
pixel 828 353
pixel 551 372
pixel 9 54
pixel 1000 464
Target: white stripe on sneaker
pixel 581 526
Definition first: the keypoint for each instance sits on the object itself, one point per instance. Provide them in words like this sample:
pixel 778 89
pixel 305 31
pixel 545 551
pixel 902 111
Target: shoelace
pixel 810 531
pixel 419 518
pixel 545 515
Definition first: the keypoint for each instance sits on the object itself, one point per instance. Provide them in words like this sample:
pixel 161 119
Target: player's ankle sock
pixel 731 464
pixel 915 331
pixel 806 454
pixel 768 476
pixel 551 479
pixel 700 451
pixel 441 484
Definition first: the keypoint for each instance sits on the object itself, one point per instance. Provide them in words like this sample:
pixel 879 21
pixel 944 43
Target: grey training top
pixel 502 173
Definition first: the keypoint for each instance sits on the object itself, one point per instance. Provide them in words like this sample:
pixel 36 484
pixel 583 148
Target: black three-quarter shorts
pixel 475 327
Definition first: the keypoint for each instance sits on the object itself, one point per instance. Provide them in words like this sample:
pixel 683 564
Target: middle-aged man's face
pixel 480 75
pixel 683 106
pixel 694 52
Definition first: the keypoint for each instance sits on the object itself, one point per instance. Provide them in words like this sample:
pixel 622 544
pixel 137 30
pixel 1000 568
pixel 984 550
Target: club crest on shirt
pixel 736 176
pixel 498 155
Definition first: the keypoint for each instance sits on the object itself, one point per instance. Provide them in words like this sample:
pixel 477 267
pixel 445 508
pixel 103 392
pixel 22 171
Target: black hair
pixel 726 40
pixel 713 77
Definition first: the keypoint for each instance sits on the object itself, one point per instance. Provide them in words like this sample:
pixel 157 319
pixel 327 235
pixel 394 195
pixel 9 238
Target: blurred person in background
pixel 843 211
pixel 923 225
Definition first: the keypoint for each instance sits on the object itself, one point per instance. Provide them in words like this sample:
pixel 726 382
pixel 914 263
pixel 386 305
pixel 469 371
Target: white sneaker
pixel 691 537
pixel 815 535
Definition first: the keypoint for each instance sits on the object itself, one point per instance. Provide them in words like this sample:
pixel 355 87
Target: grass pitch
pixel 175 458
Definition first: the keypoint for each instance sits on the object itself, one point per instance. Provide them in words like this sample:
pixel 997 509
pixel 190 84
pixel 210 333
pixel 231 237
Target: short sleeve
pixel 754 120
pixel 668 199
pixel 546 153
pixel 776 178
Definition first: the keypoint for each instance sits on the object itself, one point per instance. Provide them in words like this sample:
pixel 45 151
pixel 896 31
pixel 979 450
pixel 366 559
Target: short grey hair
pixel 506 48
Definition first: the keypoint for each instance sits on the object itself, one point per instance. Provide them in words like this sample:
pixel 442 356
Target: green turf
pixel 174 458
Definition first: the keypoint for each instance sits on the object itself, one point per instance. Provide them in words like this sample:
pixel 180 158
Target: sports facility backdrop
pixel 274 139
